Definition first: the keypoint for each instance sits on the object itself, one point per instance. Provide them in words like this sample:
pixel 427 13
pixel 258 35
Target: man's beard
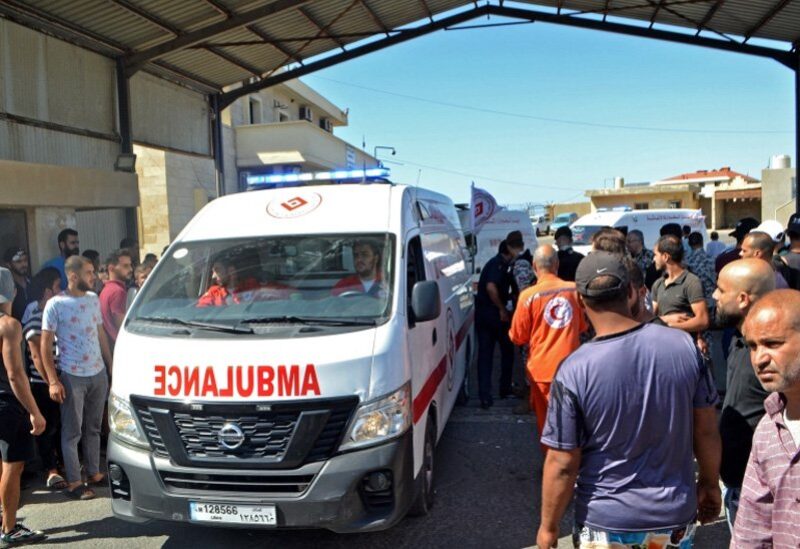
pixel 69 253
pixel 724 320
pixel 84 287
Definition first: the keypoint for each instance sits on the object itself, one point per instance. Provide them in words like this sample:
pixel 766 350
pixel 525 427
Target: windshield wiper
pixel 309 320
pixel 211 326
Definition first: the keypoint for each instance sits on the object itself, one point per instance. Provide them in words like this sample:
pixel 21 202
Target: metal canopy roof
pixel 211 44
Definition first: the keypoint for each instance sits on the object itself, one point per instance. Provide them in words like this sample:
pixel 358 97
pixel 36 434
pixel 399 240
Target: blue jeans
pixel 730 496
pixel 489 335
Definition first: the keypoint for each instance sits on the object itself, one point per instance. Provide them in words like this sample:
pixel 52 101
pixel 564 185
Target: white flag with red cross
pixel 482 207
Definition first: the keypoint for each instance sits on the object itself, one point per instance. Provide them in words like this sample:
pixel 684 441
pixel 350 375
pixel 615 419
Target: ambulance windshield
pixel 582 234
pixel 233 285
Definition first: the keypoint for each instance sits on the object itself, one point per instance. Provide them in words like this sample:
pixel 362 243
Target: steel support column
pixel 216 143
pixel 797 132
pixel 124 109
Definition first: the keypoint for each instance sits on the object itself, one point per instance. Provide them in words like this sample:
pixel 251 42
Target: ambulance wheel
pixel 425 496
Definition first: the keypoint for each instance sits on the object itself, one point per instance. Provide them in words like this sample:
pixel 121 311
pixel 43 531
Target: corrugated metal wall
pixel 51 80
pixel 101 230
pixel 169 115
pixel 31 144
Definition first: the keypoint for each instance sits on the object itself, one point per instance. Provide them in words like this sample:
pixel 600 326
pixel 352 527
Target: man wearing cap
pixel 622 421
pixel 568 259
pixel 17 262
pixel 21 419
pixel 792 255
pixel 743 226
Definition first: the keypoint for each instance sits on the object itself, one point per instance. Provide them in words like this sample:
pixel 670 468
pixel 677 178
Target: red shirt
pixel 353 283
pixel 217 296
pixel 113 299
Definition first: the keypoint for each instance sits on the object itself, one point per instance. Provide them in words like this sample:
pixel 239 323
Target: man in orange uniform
pixel 549 320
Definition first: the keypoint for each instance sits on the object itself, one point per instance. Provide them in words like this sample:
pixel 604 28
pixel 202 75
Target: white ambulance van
pixel 292 361
pixel 493 232
pixel 647 221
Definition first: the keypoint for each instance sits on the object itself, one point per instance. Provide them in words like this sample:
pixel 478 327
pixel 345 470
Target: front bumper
pixel 335 499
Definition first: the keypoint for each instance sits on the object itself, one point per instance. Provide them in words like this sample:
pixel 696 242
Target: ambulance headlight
pixel 380 420
pixel 123 424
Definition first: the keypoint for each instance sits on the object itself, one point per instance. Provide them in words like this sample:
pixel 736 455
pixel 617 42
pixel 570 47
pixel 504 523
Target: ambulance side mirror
pixel 425 301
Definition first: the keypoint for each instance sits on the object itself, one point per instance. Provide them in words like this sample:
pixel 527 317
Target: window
pixel 255 110
pixel 283 117
pixel 674 204
pixel 14 230
pixel 415 272
pixel 641 206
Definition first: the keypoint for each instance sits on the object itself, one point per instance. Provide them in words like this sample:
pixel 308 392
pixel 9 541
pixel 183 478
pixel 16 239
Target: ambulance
pixel 628 219
pixel 293 359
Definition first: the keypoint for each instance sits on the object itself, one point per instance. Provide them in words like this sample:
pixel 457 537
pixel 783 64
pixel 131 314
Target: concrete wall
pixel 777 194
pixel 580 208
pixel 173 187
pixel 44 224
pixel 654 200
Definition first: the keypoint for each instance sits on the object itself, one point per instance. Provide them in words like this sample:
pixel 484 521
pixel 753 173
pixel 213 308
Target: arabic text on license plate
pixel 232 514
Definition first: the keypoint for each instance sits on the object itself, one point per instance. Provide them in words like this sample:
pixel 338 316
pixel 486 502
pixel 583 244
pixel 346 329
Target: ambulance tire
pixel 426 492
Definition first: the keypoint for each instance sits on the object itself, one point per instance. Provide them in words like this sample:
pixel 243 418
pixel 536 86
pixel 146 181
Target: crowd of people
pixel 57 334
pixel 619 360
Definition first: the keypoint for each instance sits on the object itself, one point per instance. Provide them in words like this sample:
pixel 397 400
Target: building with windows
pixel 724 195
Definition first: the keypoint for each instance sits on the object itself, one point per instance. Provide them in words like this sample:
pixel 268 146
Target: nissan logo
pixel 230 436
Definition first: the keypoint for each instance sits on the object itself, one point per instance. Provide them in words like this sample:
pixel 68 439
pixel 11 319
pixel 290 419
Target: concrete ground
pixel 488 495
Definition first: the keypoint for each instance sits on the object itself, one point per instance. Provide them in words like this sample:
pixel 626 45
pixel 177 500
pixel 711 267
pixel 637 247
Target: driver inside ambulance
pixel 227 287
pixel 367 279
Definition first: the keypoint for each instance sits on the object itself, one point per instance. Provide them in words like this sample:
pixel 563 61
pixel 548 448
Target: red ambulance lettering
pixel 236 381
pixel 244 390
pixel 288 380
pixel 160 380
pixel 310 381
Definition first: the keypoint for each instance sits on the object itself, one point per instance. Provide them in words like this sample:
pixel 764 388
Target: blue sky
pixel 556 72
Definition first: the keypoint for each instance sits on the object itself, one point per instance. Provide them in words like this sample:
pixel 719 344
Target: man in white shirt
pixel 74 321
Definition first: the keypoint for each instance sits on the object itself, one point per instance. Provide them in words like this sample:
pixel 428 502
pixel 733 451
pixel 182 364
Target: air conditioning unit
pixel 305 114
pixel 325 124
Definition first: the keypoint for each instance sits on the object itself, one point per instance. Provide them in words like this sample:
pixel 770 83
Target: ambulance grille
pixel 256 484
pixel 266 434
pixel 151 431
pixel 280 435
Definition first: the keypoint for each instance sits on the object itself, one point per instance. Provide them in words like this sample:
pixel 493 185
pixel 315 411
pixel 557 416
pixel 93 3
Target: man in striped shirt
pixel 44 285
pixel 769 507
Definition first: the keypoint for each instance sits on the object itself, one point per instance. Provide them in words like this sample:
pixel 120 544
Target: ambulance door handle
pixel 434 336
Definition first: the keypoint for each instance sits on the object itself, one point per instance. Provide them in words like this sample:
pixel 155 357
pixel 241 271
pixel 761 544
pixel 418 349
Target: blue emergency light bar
pixel 337 176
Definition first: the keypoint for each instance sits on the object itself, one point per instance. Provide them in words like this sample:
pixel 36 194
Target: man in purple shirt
pixel 769 508
pixel 625 411
pixel 115 292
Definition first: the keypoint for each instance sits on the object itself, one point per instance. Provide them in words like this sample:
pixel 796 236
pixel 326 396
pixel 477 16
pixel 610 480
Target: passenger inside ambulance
pixel 367 278
pixel 228 286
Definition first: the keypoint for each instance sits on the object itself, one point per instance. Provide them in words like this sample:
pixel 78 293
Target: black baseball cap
pixel 744 226
pixel 794 224
pixel 598 264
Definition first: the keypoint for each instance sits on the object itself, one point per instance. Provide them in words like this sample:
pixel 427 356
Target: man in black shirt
pixel 568 258
pixel 17 262
pixel 740 284
pixel 19 418
pixel 492 321
pixel 792 255
pixel 741 230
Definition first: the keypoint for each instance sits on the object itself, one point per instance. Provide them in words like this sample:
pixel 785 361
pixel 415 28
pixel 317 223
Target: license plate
pixel 225 513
